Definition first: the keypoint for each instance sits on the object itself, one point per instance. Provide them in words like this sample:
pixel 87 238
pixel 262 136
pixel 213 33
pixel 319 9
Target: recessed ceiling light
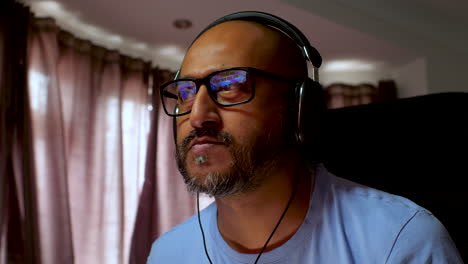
pixel 182 23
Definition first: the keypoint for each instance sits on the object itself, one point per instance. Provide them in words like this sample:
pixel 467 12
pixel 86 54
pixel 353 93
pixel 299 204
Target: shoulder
pixel 175 241
pixel 361 200
pixel 423 239
pixel 182 241
pixel 392 226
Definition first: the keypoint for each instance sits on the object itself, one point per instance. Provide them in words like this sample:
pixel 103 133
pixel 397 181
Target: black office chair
pixel 414 147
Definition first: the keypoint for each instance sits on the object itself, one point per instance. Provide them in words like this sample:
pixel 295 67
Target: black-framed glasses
pixel 227 87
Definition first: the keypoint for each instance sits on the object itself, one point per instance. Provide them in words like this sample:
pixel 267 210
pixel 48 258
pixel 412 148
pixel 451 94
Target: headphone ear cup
pixel 311 107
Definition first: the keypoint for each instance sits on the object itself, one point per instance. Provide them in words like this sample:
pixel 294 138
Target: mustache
pixel 221 136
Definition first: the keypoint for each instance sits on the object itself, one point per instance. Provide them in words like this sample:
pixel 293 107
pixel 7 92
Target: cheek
pixel 183 129
pixel 272 123
pixel 247 129
pixel 245 122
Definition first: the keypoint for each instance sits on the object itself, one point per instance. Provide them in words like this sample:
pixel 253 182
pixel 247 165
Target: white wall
pixel 411 79
pixel 447 71
pixel 438 37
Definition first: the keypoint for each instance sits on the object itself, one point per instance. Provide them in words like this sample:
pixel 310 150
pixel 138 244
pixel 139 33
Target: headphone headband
pixel 309 52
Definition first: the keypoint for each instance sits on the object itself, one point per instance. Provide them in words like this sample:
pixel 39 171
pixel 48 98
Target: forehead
pixel 233 44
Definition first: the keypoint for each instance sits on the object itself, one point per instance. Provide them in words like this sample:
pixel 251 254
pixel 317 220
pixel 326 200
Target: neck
pixel 246 220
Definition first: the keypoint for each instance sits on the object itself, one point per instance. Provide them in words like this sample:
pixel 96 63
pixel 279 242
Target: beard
pixel 250 163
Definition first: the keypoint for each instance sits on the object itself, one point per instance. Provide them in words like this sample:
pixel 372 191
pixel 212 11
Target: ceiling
pixel 144 28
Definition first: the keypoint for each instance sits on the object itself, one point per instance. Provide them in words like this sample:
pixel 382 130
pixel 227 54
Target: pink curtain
pixel 77 150
pixel 90 124
pixel 15 163
pixel 342 94
pixel 164 201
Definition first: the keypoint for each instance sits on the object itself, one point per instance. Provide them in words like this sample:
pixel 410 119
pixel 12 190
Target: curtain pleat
pixel 164 201
pixel 343 95
pixel 86 154
pixel 18 236
pixel 90 125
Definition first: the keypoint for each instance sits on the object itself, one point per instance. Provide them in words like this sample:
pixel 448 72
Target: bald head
pixel 256 131
pixel 244 44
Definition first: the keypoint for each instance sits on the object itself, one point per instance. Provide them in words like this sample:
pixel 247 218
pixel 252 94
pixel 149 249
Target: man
pixel 234 143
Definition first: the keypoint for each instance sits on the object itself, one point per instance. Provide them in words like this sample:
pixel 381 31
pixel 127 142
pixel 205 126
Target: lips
pixel 204 141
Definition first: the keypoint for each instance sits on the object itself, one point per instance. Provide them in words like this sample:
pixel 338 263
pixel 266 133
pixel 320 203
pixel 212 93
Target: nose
pixel 205 112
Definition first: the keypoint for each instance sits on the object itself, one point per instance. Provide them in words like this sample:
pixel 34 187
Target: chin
pixel 209 162
pixel 202 172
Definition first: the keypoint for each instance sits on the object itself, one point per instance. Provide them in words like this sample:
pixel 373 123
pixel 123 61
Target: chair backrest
pixel 414 147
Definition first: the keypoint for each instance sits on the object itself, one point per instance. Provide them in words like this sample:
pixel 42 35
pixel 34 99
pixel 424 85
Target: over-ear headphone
pixel 309 100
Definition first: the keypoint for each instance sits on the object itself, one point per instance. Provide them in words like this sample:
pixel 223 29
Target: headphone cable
pixel 269 238
pixel 201 228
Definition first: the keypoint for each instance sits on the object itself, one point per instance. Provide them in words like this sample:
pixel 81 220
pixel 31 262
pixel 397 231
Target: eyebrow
pixel 186 77
pixel 206 74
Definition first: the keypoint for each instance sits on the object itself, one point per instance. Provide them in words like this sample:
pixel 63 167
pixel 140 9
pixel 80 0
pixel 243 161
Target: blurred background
pixel 420 45
pixel 86 161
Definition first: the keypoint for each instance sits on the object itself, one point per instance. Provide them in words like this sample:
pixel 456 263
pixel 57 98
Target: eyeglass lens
pixel 226 88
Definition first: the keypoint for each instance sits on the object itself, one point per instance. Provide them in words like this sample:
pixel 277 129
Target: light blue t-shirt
pixel 346 223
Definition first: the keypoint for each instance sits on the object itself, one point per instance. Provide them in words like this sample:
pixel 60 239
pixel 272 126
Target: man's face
pixel 227 150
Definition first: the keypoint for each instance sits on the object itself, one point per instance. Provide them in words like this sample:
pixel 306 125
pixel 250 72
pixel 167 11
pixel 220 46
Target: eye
pixel 184 94
pixel 230 86
pixel 231 89
pixel 186 90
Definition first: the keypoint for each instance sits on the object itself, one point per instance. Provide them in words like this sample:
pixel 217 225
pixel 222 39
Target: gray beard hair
pixel 250 164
